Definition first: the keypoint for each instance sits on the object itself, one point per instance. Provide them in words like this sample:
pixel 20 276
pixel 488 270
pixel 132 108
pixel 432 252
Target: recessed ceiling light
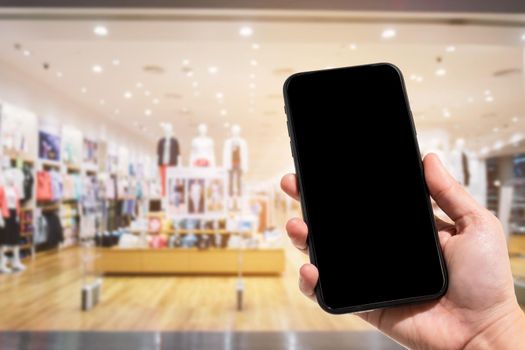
pixel 489 98
pixel 495 129
pixel 184 110
pixel 219 95
pixel 97 68
pixel 523 37
pixel 128 95
pixel 251 85
pixel 83 90
pixel 487 92
pixel 102 102
pixel 59 75
pixel 256 46
pixel 147 112
pixel 147 93
pixel 156 101
pixel 224 112
pixel 252 76
pixel 352 46
pixel 388 33
pixel 446 113
pixel 441 72
pixel 100 30
pixel 470 99
pixel 226 125
pixel 115 62
pixel 246 31
pixel 116 111
pixel 515 119
pixel 498 145
pixel 139 85
pixel 189 73
pixel 213 70
pixel 450 48
pixel 253 62
pixel 185 62
pixel 26 53
pixel 195 84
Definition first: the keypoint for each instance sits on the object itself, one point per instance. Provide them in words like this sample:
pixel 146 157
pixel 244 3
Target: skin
pixel 479 310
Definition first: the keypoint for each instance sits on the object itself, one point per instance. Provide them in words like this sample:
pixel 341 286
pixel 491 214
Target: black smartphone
pixel 371 230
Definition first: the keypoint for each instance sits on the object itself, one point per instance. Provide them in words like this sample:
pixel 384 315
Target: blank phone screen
pixel 362 186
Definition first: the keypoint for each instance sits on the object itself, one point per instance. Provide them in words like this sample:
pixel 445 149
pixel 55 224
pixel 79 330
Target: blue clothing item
pixel 77 181
pixel 189 241
pixel 56 185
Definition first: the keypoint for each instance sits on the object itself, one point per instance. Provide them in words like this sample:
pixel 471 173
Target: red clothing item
pixel 4 210
pixel 43 186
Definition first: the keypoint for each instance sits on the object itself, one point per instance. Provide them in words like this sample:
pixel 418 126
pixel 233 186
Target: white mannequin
pixel 202 148
pixel 195 196
pixel 12 203
pixel 167 129
pixel 235 160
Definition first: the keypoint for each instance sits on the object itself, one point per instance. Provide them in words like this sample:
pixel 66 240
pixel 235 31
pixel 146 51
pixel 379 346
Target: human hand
pixel 479 309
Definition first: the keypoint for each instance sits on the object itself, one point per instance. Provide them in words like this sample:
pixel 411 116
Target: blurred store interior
pixel 146 145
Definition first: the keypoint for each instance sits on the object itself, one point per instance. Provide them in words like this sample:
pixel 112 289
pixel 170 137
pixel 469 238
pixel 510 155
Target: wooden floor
pixel 47 297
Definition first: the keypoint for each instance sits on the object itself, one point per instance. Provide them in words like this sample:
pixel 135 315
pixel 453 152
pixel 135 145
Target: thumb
pixel 446 191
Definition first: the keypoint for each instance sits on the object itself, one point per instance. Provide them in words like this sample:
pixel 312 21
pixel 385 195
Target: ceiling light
pixel 253 62
pixel 388 33
pixel 26 53
pixel 224 112
pixel 256 46
pixel 487 92
pixel 196 93
pixel 515 119
pixel 115 62
pixel 484 150
pixel 252 76
pixel 59 75
pixel 147 93
pixel 212 70
pixel 147 112
pixel 251 110
pixel 116 111
pixel 139 85
pixel 441 72
pixel 83 90
pixel 96 68
pixel 185 62
pixel 516 138
pixel 450 48
pixel 419 79
pixel 102 102
pixel 246 31
pixel 184 110
pixel 189 74
pixel 470 99
pixel 498 145
pixel 446 113
pixel 195 84
pixel 252 85
pixel 226 125
pixel 128 95
pixel 352 46
pixel 219 95
pixel 489 98
pixel 495 129
pixel 523 37
pixel 156 101
pixel 100 31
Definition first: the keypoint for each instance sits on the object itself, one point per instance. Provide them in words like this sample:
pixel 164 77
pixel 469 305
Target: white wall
pixel 52 107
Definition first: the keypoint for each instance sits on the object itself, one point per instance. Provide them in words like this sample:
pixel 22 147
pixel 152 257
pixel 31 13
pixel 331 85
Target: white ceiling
pixel 72 49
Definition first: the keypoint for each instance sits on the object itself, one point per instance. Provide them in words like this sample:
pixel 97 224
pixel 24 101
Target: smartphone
pixel 371 230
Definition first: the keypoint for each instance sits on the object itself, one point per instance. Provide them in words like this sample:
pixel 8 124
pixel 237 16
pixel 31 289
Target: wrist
pixel 506 332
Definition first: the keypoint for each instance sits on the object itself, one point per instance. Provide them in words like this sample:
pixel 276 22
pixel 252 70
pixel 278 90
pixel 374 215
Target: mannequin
pixel 196 204
pixel 202 149
pixel 235 160
pixel 10 233
pixel 168 153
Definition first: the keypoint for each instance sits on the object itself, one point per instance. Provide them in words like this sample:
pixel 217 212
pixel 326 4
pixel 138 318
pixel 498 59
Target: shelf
pixel 50 163
pixel 26 246
pixel 185 231
pixel 26 158
pixel 73 168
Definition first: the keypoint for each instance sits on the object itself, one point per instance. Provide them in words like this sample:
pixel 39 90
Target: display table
pixel 189 261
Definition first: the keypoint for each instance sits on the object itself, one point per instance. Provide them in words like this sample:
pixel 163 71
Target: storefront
pixel 141 153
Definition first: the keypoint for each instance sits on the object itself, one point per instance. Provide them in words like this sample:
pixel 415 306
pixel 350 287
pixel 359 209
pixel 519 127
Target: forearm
pixel 506 333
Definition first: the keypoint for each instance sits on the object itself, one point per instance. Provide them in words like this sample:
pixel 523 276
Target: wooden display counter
pixel 189 261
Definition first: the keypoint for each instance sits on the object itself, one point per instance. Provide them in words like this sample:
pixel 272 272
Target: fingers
pixel 298 232
pixel 308 277
pixel 289 185
pixel 446 191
